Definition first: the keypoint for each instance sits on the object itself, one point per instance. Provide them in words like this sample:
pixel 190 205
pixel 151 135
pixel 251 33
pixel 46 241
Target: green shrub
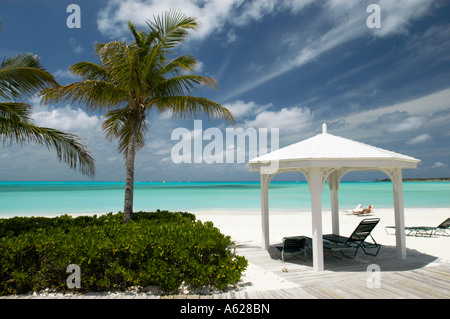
pixel 162 248
pixel 17 225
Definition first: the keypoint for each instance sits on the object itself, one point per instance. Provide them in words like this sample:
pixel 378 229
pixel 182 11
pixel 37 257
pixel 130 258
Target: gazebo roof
pixel 327 150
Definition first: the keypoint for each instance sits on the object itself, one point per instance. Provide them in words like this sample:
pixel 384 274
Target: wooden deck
pixel 420 276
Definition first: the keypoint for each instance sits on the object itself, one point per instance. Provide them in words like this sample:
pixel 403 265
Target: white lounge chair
pixel 351 212
pixel 365 212
pixel 422 231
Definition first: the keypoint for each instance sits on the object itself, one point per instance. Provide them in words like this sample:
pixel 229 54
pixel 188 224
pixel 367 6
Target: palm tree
pixel 132 79
pixel 22 76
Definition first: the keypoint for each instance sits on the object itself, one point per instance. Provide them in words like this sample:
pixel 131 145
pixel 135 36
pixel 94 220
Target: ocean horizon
pixel 58 198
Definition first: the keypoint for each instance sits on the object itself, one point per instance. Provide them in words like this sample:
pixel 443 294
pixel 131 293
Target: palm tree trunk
pixel 129 164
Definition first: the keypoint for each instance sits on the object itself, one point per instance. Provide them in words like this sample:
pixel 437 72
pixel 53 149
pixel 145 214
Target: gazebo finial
pixel 324 128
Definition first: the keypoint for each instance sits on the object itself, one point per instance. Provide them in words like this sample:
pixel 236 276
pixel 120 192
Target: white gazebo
pixel 326 157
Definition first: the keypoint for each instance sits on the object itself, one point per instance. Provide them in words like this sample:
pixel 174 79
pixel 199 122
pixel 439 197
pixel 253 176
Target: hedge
pixel 163 249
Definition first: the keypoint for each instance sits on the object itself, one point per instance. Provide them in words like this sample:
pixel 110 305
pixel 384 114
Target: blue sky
pixel 291 65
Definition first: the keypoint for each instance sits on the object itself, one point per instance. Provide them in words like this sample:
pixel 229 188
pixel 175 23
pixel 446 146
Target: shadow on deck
pixel 386 260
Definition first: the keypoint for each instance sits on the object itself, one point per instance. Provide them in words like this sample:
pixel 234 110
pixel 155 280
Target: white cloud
pixel 76 47
pixel 305 46
pixel 159 147
pixel 419 139
pixel 253 10
pixel 399 122
pixel 397 16
pixel 231 36
pixel 166 115
pixel 66 74
pixel 339 21
pixel 295 5
pixel 212 15
pixel 439 165
pixel 199 68
pixel 417 108
pixel 156 144
pixel 241 109
pixel 65 119
pixel 295 119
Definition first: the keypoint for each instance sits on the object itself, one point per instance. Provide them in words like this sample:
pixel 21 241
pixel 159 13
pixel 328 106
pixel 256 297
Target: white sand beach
pixel 245 230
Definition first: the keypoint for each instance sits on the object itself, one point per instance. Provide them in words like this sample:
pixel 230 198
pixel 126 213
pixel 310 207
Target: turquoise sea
pixel 55 198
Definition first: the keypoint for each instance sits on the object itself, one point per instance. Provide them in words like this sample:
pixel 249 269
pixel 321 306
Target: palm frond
pixel 111 53
pixel 89 71
pixel 93 93
pixel 98 47
pixel 15 111
pixel 139 37
pixel 172 27
pixel 122 63
pixel 182 84
pixel 16 128
pixel 118 126
pixel 183 106
pixel 23 75
pixel 115 122
pixel 186 63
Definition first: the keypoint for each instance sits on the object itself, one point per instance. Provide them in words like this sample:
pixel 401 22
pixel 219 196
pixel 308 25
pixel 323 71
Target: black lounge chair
pixel 293 246
pixel 336 250
pixel 422 231
pixel 358 238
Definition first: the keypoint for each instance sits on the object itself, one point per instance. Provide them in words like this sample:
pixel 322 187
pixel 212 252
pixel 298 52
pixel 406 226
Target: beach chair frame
pixel 443 227
pixel 293 246
pixel 358 238
pixel 336 250
pixel 425 231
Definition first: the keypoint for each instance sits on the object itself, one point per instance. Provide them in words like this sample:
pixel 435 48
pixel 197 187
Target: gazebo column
pixel 315 182
pixel 333 184
pixel 265 182
pixel 397 182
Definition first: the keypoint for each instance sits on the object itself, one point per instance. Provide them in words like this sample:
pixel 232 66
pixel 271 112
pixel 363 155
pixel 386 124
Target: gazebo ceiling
pixel 327 150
